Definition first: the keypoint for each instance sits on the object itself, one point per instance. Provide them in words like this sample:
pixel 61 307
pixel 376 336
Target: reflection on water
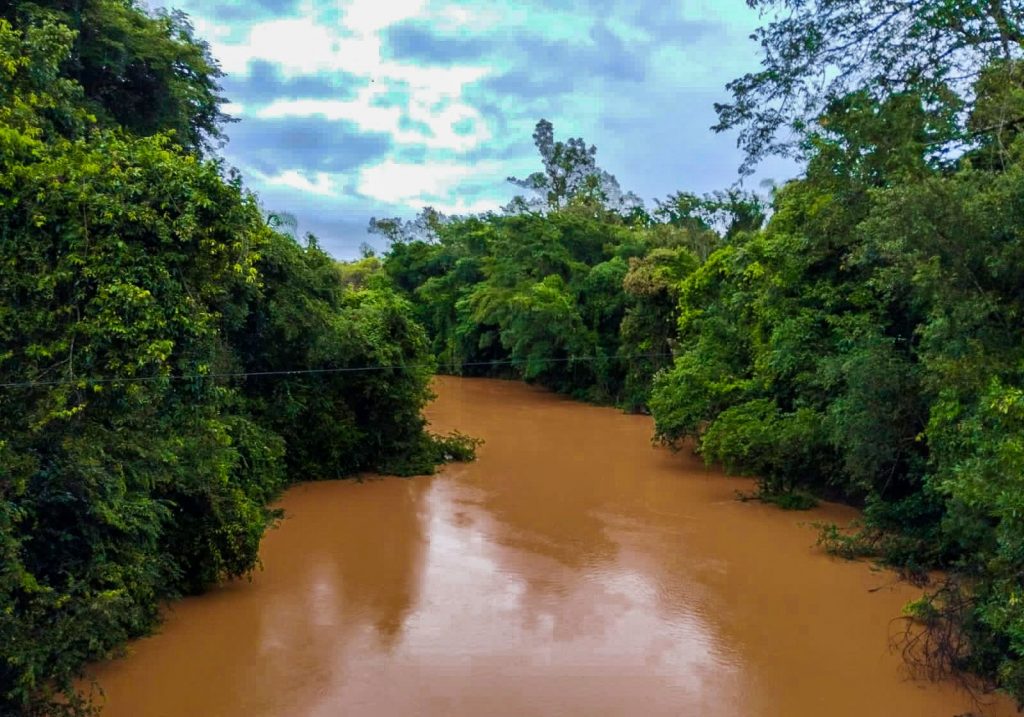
pixel 573 569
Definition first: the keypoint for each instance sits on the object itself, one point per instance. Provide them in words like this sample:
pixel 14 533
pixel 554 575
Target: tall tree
pixel 570 174
pixel 817 52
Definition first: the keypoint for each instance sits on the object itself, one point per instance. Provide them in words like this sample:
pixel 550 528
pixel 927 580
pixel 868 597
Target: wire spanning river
pixel 572 570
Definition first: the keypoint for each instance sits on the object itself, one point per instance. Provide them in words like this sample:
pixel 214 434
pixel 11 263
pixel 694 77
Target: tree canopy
pixel 818 56
pixel 570 175
pixel 144 73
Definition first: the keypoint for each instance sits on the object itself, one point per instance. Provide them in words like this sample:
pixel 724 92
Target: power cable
pixel 309 371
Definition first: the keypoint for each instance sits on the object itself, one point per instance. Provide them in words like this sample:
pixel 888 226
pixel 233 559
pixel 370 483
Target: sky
pixel 352 109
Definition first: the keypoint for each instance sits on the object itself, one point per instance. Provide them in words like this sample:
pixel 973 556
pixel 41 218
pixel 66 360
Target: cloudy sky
pixel 350 109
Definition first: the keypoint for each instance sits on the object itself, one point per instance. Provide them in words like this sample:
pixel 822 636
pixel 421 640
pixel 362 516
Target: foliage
pixel 647 330
pixel 570 176
pixel 541 297
pixel 815 54
pixel 575 291
pixel 304 318
pixel 122 492
pixel 786 500
pixel 430 451
pixel 151 324
pixel 866 342
pixel 144 73
pixel 719 214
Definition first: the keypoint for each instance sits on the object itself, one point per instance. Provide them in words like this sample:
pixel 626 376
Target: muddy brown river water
pixel 573 569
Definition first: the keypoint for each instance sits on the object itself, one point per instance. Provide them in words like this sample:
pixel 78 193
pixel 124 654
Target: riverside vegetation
pixel 857 334
pixel 139 283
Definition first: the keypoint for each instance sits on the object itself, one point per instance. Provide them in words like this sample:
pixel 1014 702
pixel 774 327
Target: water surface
pixel 572 570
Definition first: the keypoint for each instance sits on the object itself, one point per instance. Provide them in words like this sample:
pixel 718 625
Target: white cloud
pixel 433 103
pixel 459 207
pixel 297 46
pixel 302 45
pixel 438 117
pixel 369 16
pixel 322 184
pixel 210 31
pixel 419 184
pixel 505 16
pixel 359 111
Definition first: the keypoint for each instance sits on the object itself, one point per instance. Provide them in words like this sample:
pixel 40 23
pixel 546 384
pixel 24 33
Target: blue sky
pixel 350 109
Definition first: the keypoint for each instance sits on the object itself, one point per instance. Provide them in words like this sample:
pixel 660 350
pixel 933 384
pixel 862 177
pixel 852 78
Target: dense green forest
pixel 857 334
pixel 147 304
pixel 575 288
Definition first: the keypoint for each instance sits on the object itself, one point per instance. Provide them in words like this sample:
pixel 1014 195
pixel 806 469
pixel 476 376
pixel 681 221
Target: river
pixel 573 569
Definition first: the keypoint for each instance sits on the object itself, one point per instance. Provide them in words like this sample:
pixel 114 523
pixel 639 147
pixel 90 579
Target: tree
pixel 145 73
pixel 125 485
pixel 423 227
pixel 648 327
pixel 570 175
pixel 815 54
pixel 721 213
